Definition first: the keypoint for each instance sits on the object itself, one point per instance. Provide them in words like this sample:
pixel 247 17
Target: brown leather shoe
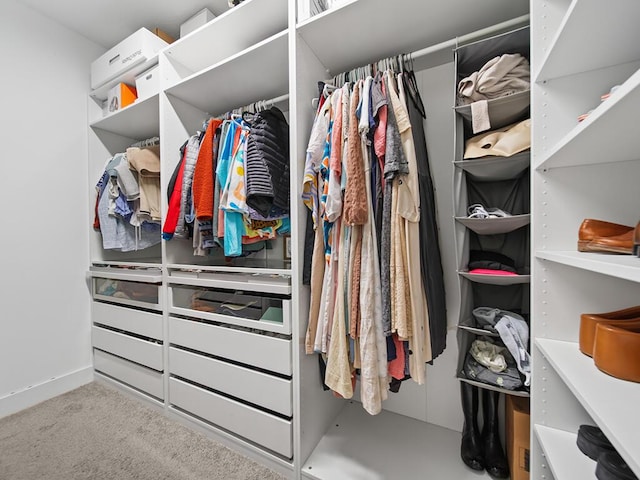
pixel 616 351
pixel 590 229
pixel 589 324
pixel 622 244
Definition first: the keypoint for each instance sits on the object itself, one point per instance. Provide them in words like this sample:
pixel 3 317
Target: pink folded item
pixel 488 271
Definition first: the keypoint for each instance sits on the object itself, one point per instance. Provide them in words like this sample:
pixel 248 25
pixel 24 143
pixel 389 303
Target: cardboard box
pixel 203 16
pixel 148 82
pixel 518 429
pixel 134 50
pixel 163 35
pixel 120 96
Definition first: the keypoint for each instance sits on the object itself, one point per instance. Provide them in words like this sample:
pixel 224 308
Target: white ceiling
pixel 107 22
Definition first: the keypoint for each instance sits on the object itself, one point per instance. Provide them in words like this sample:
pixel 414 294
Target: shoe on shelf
pixel 477 210
pixel 616 351
pixel 622 244
pixel 611 466
pixel 628 317
pixel 593 442
pixel 592 229
pixel 609 93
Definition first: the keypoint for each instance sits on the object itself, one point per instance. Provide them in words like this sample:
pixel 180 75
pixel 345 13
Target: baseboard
pixel 34 394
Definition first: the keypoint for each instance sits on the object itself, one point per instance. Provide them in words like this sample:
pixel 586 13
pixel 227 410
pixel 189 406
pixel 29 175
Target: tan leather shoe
pixel 622 244
pixel 591 229
pixel 619 318
pixel 616 351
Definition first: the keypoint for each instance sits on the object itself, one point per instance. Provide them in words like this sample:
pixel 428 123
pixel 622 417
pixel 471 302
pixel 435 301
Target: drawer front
pixel 142 378
pixel 270 353
pixel 128 292
pixel 143 352
pixel 246 308
pixel 128 319
pixel 262 428
pixel 259 388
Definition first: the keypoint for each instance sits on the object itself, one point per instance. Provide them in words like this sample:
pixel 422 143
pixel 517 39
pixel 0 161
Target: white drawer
pixel 128 292
pixel 137 376
pixel 128 319
pixel 233 305
pixel 267 430
pixel 140 351
pixel 269 353
pixel 259 388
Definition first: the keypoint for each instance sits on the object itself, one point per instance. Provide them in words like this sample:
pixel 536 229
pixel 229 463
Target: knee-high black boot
pixel 494 457
pixel 471 447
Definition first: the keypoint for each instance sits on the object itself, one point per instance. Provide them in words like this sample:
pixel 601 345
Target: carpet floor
pixel 95 432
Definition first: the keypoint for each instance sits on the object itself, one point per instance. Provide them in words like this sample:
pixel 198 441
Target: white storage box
pixel 148 83
pixel 203 16
pixel 133 50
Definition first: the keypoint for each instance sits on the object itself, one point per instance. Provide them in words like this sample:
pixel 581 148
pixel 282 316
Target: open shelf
pixel 221 87
pixel 495 279
pixel 356 446
pixel 416 24
pixel 602 47
pixel 611 402
pixel 486 386
pixel 490 169
pixel 494 226
pixel 129 77
pixel 138 120
pixel 626 267
pixel 478 331
pixel 227 34
pixel 611 124
pixel 565 459
pixel 502 111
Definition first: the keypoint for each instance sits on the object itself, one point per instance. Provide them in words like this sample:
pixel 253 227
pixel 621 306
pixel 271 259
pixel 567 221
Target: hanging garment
pixel 191 156
pixel 174 194
pixel 146 161
pixel 430 257
pixel 203 183
pixel 267 165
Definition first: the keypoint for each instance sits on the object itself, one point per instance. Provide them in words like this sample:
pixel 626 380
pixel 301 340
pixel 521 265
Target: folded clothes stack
pixel 595 445
pixel 613 340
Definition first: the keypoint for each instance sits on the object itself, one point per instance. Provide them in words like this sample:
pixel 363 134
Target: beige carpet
pixel 94 432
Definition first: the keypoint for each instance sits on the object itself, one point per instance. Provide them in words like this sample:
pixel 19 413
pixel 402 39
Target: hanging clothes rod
pixel 472 37
pixel 149 142
pixel 440 53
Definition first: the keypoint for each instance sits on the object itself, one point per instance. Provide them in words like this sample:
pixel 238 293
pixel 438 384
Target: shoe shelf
pixel 610 46
pixel 220 88
pixel 486 386
pixel 563 456
pixel 612 123
pixel 626 267
pixel 612 403
pixel 493 226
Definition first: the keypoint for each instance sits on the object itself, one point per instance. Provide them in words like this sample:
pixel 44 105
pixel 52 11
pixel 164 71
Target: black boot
pixel 471 447
pixel 494 457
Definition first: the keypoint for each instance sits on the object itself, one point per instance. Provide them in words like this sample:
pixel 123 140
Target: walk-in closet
pixel 199 249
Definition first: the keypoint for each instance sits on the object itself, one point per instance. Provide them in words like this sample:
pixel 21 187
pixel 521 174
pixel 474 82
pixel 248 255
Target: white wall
pixel 44 298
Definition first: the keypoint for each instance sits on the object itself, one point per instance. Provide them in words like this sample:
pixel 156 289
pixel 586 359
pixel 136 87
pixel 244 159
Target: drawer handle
pixel 114 59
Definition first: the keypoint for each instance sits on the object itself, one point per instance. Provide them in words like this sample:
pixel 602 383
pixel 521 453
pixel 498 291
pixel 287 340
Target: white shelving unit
pixel 574 67
pixel 191 373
